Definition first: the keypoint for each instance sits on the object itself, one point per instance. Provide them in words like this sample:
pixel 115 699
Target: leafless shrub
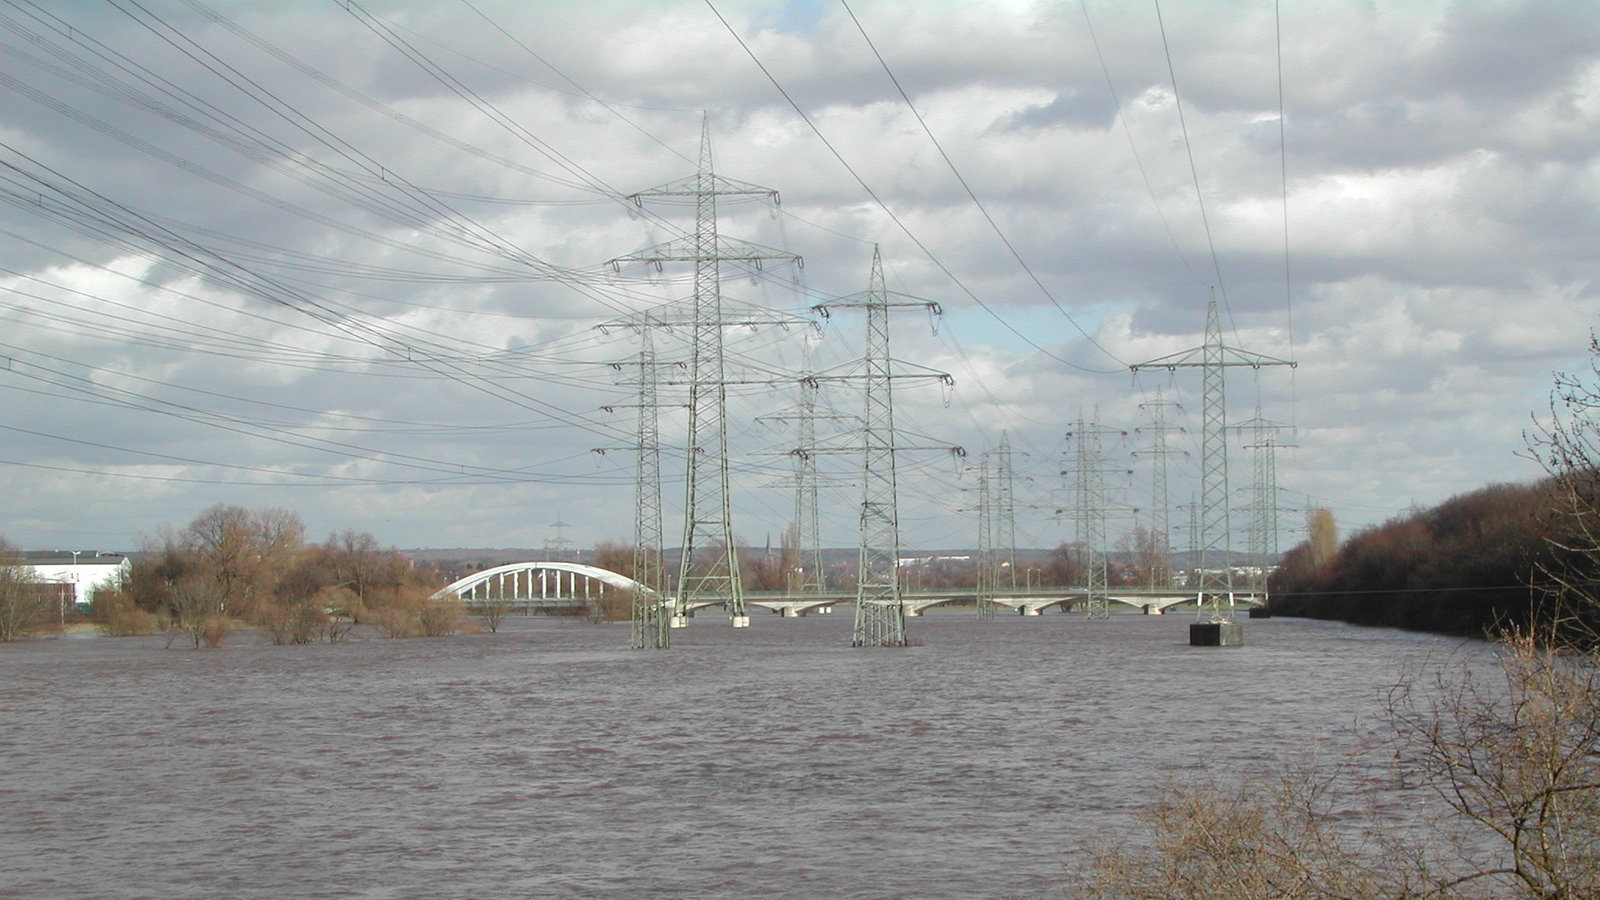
pixel 1514 753
pixel 440 618
pixel 1505 756
pixel 198 616
pixel 418 615
pixel 611 606
pixel 291 620
pixel 491 611
pixel 118 616
pixel 1286 838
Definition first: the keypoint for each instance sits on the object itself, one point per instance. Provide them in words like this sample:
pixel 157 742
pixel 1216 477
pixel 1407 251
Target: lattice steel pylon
pixel 986 581
pixel 1005 516
pixel 1160 501
pixel 1263 444
pixel 997 528
pixel 708 504
pixel 1090 469
pixel 811 578
pixel 880 606
pixel 649 617
pixel 1215 591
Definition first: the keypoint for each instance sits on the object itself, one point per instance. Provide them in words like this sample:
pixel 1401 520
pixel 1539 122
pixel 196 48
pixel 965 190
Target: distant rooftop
pixel 65 558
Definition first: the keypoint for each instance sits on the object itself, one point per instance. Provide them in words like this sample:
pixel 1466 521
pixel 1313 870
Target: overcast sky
pixel 351 258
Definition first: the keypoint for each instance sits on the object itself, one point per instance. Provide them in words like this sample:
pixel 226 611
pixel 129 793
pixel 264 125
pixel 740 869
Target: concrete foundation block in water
pixel 1216 634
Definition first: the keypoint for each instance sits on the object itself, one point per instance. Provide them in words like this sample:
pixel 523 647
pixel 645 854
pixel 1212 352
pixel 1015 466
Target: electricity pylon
pixel 556 543
pixel 811 577
pixel 985 582
pixel 1263 437
pixel 880 606
pixel 650 622
pixel 1160 502
pixel 708 505
pixel 997 527
pixel 1213 358
pixel 1091 470
pixel 1005 516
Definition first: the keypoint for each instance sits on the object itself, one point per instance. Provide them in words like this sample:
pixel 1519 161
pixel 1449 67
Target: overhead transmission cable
pixel 1283 173
pixel 971 195
pixel 882 204
pixel 1194 170
pixel 580 88
pixel 444 216
pixel 368 188
pixel 1133 147
pixel 76 200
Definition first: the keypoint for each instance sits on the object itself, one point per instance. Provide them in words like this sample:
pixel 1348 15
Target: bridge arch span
pixel 538 580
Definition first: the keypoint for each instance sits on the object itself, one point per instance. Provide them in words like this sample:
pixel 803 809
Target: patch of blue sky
pixel 793 17
pixel 1025 329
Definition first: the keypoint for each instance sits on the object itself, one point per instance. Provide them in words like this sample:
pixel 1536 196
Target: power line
pixel 987 217
pixel 879 201
pixel 1188 147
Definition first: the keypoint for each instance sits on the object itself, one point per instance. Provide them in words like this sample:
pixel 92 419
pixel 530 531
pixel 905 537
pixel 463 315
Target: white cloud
pixel 405 362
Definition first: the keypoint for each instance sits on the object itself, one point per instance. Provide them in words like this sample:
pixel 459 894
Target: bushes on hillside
pixel 1463 567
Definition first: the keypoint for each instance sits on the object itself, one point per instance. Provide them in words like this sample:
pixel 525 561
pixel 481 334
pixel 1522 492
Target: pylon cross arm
pixel 1231 356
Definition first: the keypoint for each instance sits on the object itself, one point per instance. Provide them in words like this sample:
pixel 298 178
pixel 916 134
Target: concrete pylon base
pixel 1216 634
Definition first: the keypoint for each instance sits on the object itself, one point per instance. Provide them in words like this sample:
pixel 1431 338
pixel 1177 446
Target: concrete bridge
pixel 1026 602
pixel 572 587
pixel 540 586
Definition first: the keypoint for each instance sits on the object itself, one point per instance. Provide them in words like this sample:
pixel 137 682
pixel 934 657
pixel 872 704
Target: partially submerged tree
pixel 199 611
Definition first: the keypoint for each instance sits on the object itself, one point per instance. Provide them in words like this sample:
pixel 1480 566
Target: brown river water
pixel 550 760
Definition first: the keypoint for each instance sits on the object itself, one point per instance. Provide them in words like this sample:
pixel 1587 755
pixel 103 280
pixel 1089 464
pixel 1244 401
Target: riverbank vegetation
pixel 233 568
pixel 1520 557
pixel 1462 567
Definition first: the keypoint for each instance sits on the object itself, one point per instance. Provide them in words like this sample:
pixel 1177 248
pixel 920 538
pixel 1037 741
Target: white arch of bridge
pixel 524 578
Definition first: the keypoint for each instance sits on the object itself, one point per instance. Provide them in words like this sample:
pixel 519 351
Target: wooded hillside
pixel 1462 567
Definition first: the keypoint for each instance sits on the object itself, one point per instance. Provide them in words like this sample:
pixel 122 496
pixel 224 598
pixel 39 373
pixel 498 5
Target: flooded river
pixel 551 760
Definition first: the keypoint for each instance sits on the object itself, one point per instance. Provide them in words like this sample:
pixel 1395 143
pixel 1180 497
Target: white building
pixel 79 573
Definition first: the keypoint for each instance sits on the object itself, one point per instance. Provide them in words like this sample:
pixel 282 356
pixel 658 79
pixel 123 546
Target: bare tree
pixel 243 552
pixel 492 609
pixel 198 612
pixel 1278 839
pixel 1145 554
pixel 296 611
pixel 1512 752
pixel 24 605
pixel 1567 444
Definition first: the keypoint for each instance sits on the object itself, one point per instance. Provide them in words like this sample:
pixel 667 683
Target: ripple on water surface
pixel 549 759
